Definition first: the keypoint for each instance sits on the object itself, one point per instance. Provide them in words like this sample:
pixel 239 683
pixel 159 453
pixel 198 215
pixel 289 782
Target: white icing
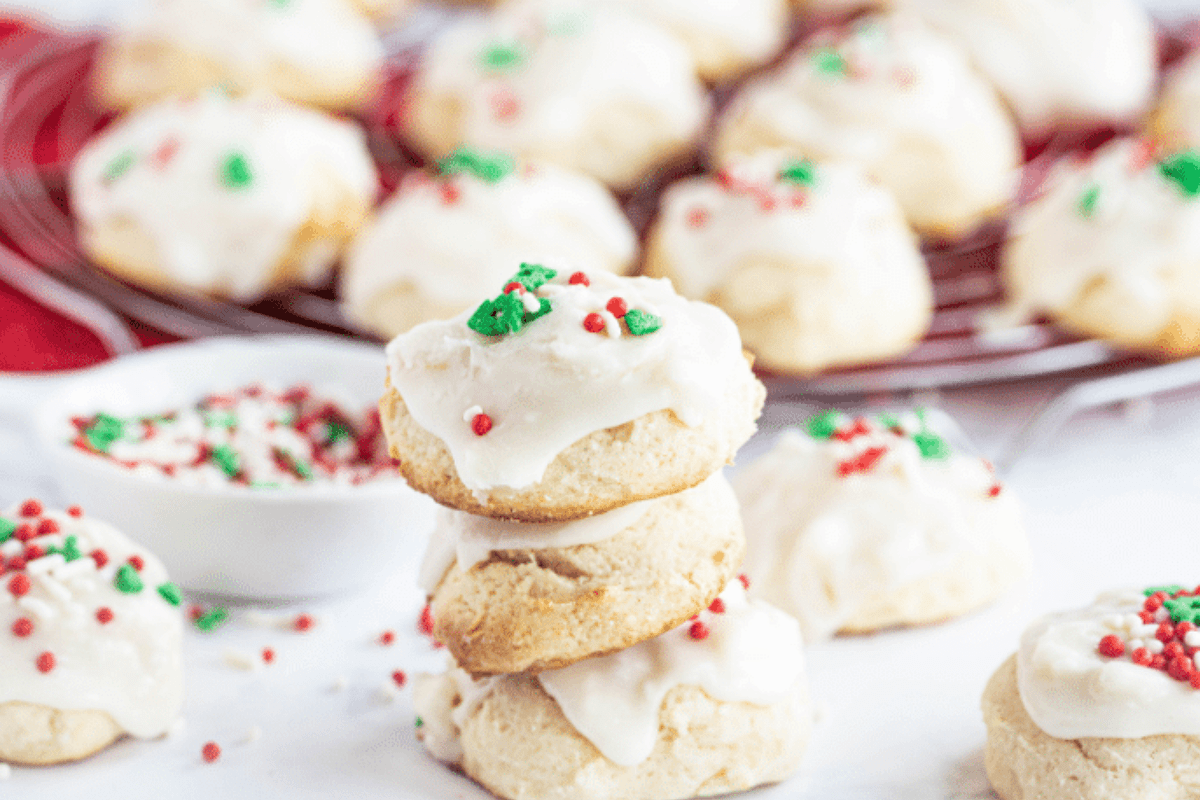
pixel 752 654
pixel 446 251
pixel 1142 236
pixel 210 236
pixel 823 546
pixel 1071 691
pixel 443 703
pixel 130 668
pixel 909 109
pixel 1057 62
pixel 597 89
pixel 554 382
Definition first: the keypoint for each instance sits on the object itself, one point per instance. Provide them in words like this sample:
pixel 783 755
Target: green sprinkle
pixel 170 592
pixel 823 425
pixel 497 317
pixel 801 173
pixel 70 549
pixel 533 276
pixel 235 171
pixel 419 722
pixel 888 421
pixel 227 459
pixel 119 166
pixel 932 446
pixel 212 619
pixel 488 167
pixel 1184 170
pixel 220 419
pixel 1087 201
pixel 302 469
pixel 103 431
pixel 336 432
pixel 128 580
pixel 502 57
pixel 641 322
pixel 829 61
pixel 1169 590
pixel 7 527
pixel 1184 609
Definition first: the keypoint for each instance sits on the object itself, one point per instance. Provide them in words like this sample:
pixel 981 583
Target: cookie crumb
pixel 240 660
pixel 253 735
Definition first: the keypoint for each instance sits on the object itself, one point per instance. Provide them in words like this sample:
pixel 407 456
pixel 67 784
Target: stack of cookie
pixel 583 573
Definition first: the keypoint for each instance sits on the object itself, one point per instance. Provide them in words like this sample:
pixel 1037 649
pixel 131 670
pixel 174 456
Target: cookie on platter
pixel 90 637
pixel 568 395
pixel 716 705
pixel 217 195
pixel 854 525
pixel 1102 701
pixel 464 224
pixel 813 261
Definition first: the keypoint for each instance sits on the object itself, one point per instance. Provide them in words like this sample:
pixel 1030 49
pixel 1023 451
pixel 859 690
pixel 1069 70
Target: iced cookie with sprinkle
pixel 813 261
pixel 857 524
pixel 90 637
pixel 1111 249
pixel 568 394
pixel 1101 702
pixel 464 223
pixel 716 705
pixel 215 195
pixel 511 596
pixel 888 93
pixel 590 87
pixel 318 52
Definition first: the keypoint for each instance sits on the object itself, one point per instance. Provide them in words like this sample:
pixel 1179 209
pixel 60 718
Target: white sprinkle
pixel 240 660
pixel 471 413
pixel 550 290
pixel 12 547
pixel 1192 638
pixel 1154 646
pixel 1134 644
pixel 612 325
pixel 339 683
pixel 1132 621
pixel 60 592
pixel 40 566
pixel 263 619
pixel 1146 630
pixel 532 306
pixel 1115 623
pixel 5 771
pixel 71 569
pixel 39 608
pixel 253 735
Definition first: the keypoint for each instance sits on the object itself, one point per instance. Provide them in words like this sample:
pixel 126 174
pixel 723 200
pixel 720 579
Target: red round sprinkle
pixel 19 585
pixel 1142 656
pixel 100 557
pixel 33 553
pixel 24 532
pixel 717 606
pixel 745 579
pixel 75 511
pixel 303 622
pixel 1112 646
pixel 697 218
pixel 515 286
pixel 31 508
pixel 1154 602
pixel 137 563
pixel 799 199
pixel 45 661
pixel 268 655
pixel 1173 650
pixel 387 637
pixel 210 752
pixel 698 630
pixel 1194 679
pixel 450 194
pixel 425 623
pixel 47 526
pixel 1165 632
pixel 766 202
pixel 104 615
pixel 399 677
pixel 617 307
pixel 1159 661
pixel 579 278
pixel 593 323
pixel 16 563
pixel 1183 629
pixel 505 105
pixel 994 491
pixel 22 627
pixel 195 612
pixel 1146 617
pixel 481 424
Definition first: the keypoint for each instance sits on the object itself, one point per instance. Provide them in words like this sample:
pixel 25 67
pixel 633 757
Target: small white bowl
pixel 238 542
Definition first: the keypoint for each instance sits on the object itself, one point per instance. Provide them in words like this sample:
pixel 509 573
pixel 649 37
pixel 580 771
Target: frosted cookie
pixel 1058 63
pixel 234 197
pixel 814 263
pixel 322 52
pixel 511 596
pixel 464 224
pixel 1101 701
pixel 900 100
pixel 830 9
pixel 1175 122
pixel 591 88
pixel 90 637
pixel 1111 249
pixel 857 525
pixel 717 705
pixel 569 395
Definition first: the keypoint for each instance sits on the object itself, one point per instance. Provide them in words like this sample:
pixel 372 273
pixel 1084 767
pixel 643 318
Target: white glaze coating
pixel 446 249
pixel 890 94
pixel 596 89
pixel 1142 235
pixel 130 667
pixel 554 382
pixel 823 546
pixel 1056 62
pixel 211 236
pixel 1071 691
pixel 752 654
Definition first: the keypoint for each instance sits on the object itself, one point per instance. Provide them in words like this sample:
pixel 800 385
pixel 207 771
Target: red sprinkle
pixel 698 630
pixel 425 623
pixel 1158 662
pixel 994 491
pixel 165 152
pixel 863 462
pixel 16 563
pixel 617 307
pixel 1146 617
pixel 387 638
pixel 717 606
pixel 31 508
pixel 22 627
pixel 859 427
pixel 100 557
pixel 1173 650
pixel 505 105
pixel 210 752
pixel 104 615
pixel 303 622
pixel 450 194
pixel 1142 656
pixel 75 511
pixel 268 655
pixel 593 323
pixel 579 278
pixel 47 526
pixel 1154 602
pixel 799 199
pixel 195 612
pixel 1112 646
pixel 1194 679
pixel 1183 629
pixel 481 424
pixel 137 563
pixel 399 677
pixel 33 553
pixel 697 218
pixel 24 532
pixel 1165 632
pixel 515 286
pixel 45 661
pixel 745 579
pixel 19 585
